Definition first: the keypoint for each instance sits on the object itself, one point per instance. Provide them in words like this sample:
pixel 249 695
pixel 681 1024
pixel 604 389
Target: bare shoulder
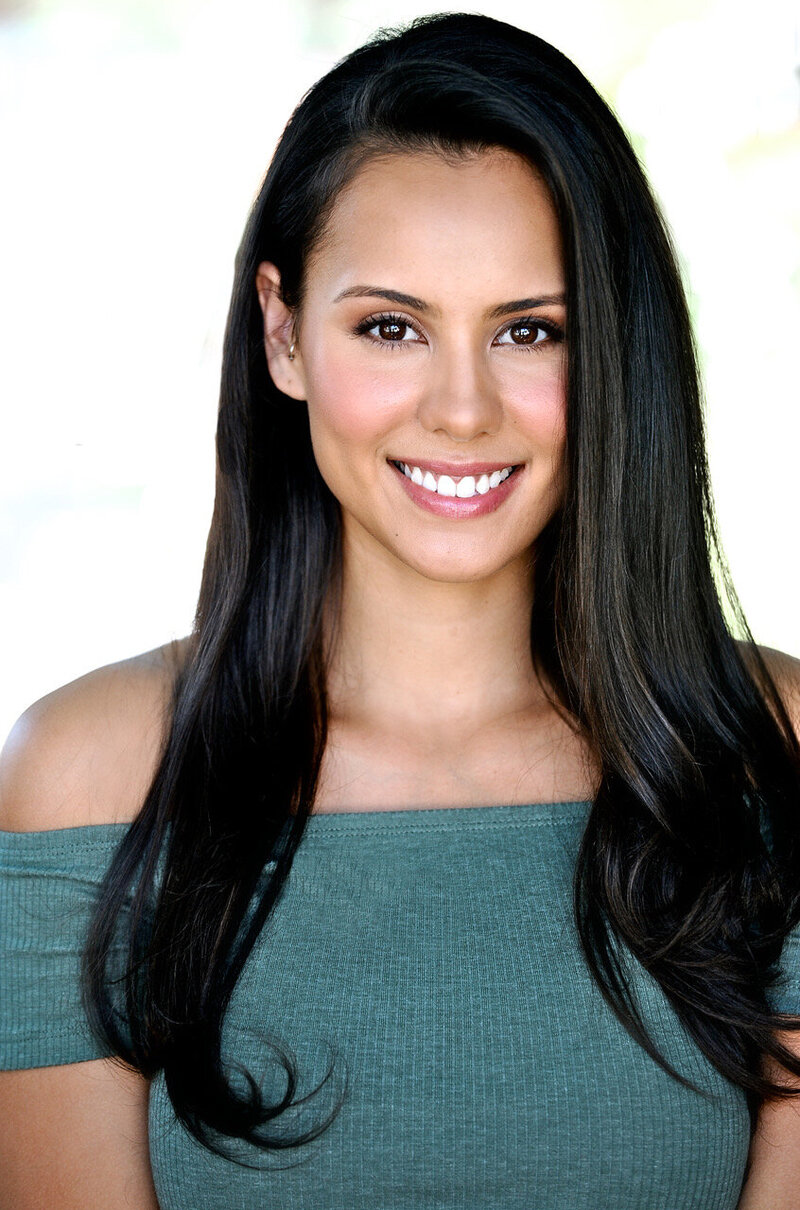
pixel 785 672
pixel 86 753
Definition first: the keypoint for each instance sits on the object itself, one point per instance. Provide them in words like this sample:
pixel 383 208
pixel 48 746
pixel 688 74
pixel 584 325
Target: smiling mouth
pixel 462 486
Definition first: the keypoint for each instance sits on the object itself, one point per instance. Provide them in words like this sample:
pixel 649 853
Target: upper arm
pixel 774 1176
pixel 75 1135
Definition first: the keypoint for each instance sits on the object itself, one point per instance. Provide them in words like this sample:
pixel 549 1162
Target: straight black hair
pixel 690 859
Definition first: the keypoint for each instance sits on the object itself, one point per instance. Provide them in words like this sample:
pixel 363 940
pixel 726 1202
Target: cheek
pixel 539 409
pixel 350 405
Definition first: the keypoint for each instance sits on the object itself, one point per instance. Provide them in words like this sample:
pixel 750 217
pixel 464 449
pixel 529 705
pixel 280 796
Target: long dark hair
pixel 690 859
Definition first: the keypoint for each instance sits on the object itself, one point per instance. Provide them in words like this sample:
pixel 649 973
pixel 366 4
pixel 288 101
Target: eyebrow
pixel 419 304
pixel 527 304
pixel 403 300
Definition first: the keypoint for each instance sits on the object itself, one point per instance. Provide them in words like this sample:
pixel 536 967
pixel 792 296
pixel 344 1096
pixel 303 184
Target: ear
pixel 286 372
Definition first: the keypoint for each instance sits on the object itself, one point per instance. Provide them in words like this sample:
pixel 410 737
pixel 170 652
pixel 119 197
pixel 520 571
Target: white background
pixel 133 136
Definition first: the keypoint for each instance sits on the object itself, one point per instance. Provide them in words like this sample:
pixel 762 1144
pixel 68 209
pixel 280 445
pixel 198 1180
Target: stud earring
pixel 291 351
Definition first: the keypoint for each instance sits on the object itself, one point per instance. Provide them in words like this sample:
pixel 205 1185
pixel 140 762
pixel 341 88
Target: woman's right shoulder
pixel 86 753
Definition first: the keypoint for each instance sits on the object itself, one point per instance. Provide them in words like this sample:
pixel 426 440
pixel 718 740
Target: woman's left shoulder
pixel 785 672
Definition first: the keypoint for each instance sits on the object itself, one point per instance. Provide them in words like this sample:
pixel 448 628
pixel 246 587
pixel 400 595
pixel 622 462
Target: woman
pixel 458 650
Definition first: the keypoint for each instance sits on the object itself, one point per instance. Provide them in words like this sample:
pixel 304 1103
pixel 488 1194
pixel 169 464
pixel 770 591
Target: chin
pixel 451 568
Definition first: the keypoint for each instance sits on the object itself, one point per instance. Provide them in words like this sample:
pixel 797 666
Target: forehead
pixel 484 221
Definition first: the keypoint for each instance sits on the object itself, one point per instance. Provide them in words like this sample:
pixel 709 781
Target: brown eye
pixel 525 334
pixel 529 333
pixel 391 329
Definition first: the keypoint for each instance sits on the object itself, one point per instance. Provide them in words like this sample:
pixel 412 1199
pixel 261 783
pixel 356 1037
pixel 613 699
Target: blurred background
pixel 133 137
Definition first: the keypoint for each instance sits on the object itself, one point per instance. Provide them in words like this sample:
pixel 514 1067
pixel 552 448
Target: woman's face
pixel 431 336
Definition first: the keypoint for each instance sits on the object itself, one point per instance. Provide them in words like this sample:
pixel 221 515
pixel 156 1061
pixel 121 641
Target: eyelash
pixel 554 331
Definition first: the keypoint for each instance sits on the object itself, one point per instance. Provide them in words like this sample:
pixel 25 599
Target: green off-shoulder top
pixel 430 956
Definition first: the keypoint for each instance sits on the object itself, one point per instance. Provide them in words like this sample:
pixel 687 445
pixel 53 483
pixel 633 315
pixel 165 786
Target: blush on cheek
pixel 354 402
pixel 541 412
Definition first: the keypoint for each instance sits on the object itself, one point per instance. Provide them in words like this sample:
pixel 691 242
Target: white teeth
pixel 445 485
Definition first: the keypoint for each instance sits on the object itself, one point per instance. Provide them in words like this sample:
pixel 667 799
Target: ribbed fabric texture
pixel 432 954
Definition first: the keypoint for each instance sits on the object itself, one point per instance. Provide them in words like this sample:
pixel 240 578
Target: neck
pixel 426 656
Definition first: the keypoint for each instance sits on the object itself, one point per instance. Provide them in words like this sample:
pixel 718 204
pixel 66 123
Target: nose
pixel 460 398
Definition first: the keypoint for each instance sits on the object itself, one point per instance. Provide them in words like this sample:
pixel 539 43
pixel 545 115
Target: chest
pixel 534 758
pixel 428 959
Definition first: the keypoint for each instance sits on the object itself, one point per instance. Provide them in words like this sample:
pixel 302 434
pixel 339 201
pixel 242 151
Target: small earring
pixel 291 351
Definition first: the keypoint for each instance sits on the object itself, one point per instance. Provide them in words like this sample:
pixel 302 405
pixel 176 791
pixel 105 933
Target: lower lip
pixel 454 506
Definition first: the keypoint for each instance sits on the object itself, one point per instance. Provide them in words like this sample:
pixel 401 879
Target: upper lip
pixel 456 469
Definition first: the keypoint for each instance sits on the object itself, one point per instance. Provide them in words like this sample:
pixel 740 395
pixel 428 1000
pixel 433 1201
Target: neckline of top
pixel 441 819
pixel 394 814
pixel 327 820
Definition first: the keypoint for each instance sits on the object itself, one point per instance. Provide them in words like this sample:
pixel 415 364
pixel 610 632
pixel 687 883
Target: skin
pixel 434 700
pixel 433 696
pixel 774 1179
pixel 433 655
